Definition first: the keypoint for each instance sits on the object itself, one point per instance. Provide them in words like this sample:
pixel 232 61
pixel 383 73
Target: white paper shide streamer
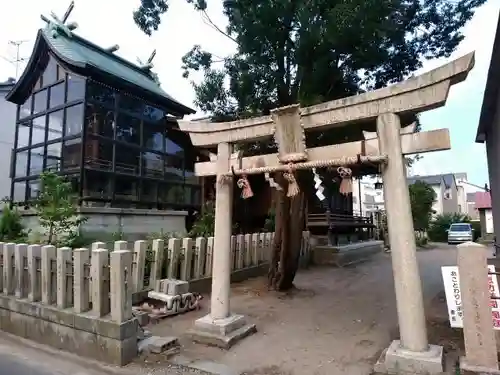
pixel 271 182
pixel 317 185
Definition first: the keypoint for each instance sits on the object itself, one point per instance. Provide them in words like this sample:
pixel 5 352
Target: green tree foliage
pixel 204 226
pixel 56 207
pixel 441 223
pixel 422 196
pixel 307 52
pixel 11 227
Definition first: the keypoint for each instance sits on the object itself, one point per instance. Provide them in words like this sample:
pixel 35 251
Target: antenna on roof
pixel 59 26
pixel 114 48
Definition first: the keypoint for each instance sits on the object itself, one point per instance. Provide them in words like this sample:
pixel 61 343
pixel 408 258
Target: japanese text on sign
pixel 451 280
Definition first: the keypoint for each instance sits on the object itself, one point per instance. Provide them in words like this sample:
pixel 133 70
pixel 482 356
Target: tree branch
pixel 209 22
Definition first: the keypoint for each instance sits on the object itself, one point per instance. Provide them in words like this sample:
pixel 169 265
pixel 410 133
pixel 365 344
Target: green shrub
pixel 204 226
pixel 11 227
pixel 441 223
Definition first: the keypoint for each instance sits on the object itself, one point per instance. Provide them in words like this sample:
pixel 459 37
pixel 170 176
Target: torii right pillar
pixel 412 352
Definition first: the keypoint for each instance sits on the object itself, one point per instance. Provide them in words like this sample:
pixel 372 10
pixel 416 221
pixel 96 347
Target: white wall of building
pixel 7 133
pixel 372 199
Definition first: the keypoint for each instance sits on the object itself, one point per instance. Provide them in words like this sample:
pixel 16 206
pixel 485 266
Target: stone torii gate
pixel 288 126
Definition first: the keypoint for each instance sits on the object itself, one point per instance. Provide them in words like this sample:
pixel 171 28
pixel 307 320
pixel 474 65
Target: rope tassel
pixel 293 186
pixel 244 185
pixel 346 183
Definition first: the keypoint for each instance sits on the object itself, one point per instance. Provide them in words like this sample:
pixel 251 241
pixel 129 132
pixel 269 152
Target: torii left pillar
pixel 220 327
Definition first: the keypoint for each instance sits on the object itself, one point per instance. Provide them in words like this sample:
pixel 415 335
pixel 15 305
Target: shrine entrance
pixel 386 149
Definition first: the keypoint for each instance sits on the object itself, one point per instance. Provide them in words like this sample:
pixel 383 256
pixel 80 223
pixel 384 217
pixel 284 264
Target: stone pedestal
pixel 397 360
pixel 222 333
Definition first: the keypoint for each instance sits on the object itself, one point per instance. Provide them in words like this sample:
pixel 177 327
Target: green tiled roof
pixel 80 52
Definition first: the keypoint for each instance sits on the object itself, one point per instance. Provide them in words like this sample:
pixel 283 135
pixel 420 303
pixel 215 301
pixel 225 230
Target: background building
pixel 8 130
pixel 103 122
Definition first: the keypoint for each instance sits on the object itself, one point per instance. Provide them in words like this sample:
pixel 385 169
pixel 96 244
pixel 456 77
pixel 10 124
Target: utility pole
pixel 18 59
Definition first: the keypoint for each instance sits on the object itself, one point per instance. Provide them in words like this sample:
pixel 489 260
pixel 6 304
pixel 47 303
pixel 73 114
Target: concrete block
pixel 222 333
pixel 396 360
pixel 175 287
pixel 157 344
pixel 142 317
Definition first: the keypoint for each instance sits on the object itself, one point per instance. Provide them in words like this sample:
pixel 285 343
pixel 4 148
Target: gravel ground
pixel 337 322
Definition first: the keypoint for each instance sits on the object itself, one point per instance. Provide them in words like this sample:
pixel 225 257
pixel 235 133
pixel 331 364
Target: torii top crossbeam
pixel 289 124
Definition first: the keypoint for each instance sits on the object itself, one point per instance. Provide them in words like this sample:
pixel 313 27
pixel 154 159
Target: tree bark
pixel 289 220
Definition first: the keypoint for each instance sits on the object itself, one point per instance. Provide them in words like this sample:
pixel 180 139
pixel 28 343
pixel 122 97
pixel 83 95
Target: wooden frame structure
pixel 288 126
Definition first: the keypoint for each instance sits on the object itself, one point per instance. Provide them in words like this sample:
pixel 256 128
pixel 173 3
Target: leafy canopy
pixel 422 197
pixel 290 51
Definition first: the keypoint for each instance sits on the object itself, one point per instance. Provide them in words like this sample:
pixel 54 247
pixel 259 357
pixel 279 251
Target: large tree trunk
pixel 289 220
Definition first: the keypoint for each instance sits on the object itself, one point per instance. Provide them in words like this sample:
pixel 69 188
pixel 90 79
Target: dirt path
pixel 338 321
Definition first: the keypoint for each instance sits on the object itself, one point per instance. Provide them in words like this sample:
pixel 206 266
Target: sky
pixel 110 22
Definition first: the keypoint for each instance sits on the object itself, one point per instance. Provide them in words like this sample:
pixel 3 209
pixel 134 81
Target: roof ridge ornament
pixel 148 66
pixel 58 26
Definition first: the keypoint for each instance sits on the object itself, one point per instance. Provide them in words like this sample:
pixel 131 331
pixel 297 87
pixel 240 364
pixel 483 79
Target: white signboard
pixel 451 282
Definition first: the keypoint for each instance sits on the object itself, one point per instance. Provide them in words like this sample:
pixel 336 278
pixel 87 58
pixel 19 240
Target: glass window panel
pixel 152 137
pixel 196 194
pixel 56 95
pixel 153 113
pixel 74 118
pixel 34 189
pixel 38 84
pixel 172 148
pixel 19 192
pixel 54 152
pixel 76 88
pixel 25 109
pixel 99 120
pixel 128 129
pixel 71 153
pixel 172 194
pixel 127 159
pixel 132 105
pixel 21 164
pixel 60 72
pixel 126 188
pixel 149 191
pixel 97 185
pixel 50 73
pixel 173 168
pixel 152 164
pixel 23 135
pixel 99 153
pixel 188 199
pixel 101 94
pixel 36 161
pixel 55 125
pixel 40 101
pixel 38 132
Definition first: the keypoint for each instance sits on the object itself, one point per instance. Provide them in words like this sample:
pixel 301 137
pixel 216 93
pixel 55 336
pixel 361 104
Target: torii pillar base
pixel 397 360
pixel 222 333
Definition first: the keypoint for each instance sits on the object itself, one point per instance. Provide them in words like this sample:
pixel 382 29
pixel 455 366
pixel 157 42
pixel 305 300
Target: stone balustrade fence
pixel 103 281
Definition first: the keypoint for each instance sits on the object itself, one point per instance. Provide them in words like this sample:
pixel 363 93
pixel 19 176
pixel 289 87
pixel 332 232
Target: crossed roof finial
pixel 59 26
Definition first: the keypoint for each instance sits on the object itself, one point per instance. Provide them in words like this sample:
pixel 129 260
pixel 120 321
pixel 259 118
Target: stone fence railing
pixel 76 300
pixel 191 259
pixel 80 300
